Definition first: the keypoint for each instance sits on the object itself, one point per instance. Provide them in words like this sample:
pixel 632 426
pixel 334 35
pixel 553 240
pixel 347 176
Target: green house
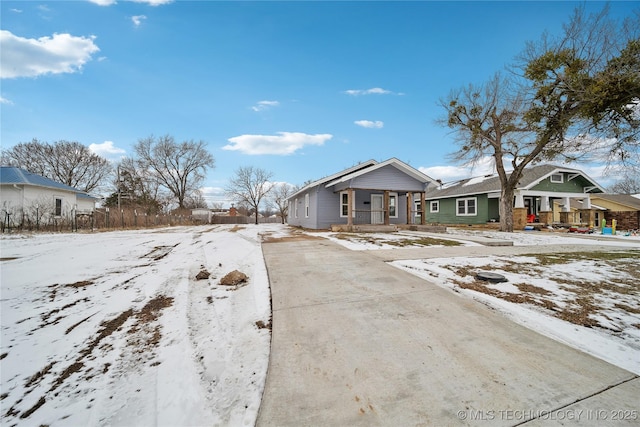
pixel 542 190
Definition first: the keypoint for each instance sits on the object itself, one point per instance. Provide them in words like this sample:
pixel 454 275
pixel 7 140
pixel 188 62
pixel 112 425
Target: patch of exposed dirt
pixel 159 252
pixel 9 258
pixel 236 228
pixel 150 337
pixel 80 284
pixel 294 238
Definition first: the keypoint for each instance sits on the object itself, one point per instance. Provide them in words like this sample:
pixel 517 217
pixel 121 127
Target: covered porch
pixel 547 208
pixel 385 209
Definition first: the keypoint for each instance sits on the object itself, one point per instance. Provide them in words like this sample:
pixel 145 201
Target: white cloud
pixel 455 173
pixel 107 150
pixel 264 105
pixel 372 91
pixel 153 2
pixel 137 19
pixel 283 143
pixel 103 2
pixel 369 124
pixel 5 101
pixel 16 10
pixel 61 53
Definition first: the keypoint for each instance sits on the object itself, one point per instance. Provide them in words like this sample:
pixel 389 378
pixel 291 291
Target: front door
pixel 377 209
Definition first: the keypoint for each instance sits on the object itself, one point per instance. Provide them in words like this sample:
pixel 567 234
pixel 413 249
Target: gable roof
pixel 12 175
pixel 491 183
pixel 623 199
pixel 321 181
pixel 364 168
pixel 414 173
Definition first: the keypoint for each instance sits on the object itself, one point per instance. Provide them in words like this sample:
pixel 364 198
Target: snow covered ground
pixel 114 328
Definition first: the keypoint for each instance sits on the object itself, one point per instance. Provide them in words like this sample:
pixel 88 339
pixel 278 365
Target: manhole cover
pixel 491 277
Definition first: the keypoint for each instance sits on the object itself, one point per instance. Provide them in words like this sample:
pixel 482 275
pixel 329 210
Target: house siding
pixel 448 209
pixel 388 178
pixel 576 185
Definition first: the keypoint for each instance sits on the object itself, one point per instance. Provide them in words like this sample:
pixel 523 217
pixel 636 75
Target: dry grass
pixel 582 299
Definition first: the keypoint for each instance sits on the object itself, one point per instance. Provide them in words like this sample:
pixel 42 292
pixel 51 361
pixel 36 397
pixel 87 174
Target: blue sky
pixel 301 89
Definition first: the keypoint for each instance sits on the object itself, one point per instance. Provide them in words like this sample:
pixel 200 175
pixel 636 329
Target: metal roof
pixel 10 175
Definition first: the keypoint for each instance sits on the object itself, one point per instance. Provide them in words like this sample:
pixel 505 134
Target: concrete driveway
pixel 358 342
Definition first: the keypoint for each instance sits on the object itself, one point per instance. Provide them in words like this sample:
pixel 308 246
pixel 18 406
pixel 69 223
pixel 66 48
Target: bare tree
pixel 67 162
pixel 569 87
pixel 627 185
pixel 179 167
pixel 278 199
pixel 249 186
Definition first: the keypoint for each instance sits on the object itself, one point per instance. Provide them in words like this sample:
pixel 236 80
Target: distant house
pixel 624 208
pixel 370 193
pixel 544 195
pixel 25 196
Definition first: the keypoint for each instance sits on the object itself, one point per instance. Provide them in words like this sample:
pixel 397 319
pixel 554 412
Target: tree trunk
pixel 506 208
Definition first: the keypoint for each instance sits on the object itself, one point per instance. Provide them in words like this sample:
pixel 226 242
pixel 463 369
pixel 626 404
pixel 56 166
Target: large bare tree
pixel 178 167
pixel 67 162
pixel 278 198
pixel 249 186
pixel 571 91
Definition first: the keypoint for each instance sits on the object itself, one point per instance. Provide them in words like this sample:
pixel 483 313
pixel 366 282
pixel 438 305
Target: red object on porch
pixel 531 218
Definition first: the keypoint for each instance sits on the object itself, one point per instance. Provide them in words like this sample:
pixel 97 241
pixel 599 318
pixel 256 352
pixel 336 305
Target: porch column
pixel 519 201
pixel 409 207
pixel 350 204
pixel 565 211
pixel 544 204
pixel 586 203
pixel 545 216
pixel 386 207
pixel 423 209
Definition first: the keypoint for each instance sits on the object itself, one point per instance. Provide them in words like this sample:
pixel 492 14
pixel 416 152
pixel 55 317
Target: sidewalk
pixel 358 342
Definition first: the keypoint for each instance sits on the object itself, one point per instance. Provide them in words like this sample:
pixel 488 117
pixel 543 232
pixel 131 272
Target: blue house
pixel 374 193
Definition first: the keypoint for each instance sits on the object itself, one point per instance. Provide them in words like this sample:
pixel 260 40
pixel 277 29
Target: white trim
pixel 437 203
pixel 394 196
pixel 353 202
pixel 306 205
pixel 295 207
pixel 560 174
pixel 466 206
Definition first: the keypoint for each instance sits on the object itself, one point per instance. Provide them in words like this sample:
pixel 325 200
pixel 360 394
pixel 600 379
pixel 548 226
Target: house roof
pixel 629 200
pixel 321 181
pixel 10 175
pixel 491 183
pixel 416 174
pixel 364 168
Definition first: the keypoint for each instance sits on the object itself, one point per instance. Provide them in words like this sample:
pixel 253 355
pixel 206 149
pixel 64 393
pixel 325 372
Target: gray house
pixel 545 194
pixel 370 193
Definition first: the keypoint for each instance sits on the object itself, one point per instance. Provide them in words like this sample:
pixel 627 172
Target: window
pixel 306 205
pixel 295 208
pixel 344 204
pixel 435 206
pixel 557 178
pixel 58 207
pixel 466 207
pixel 393 202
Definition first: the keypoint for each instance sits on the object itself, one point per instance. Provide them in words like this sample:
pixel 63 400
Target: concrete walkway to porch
pixel 358 342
